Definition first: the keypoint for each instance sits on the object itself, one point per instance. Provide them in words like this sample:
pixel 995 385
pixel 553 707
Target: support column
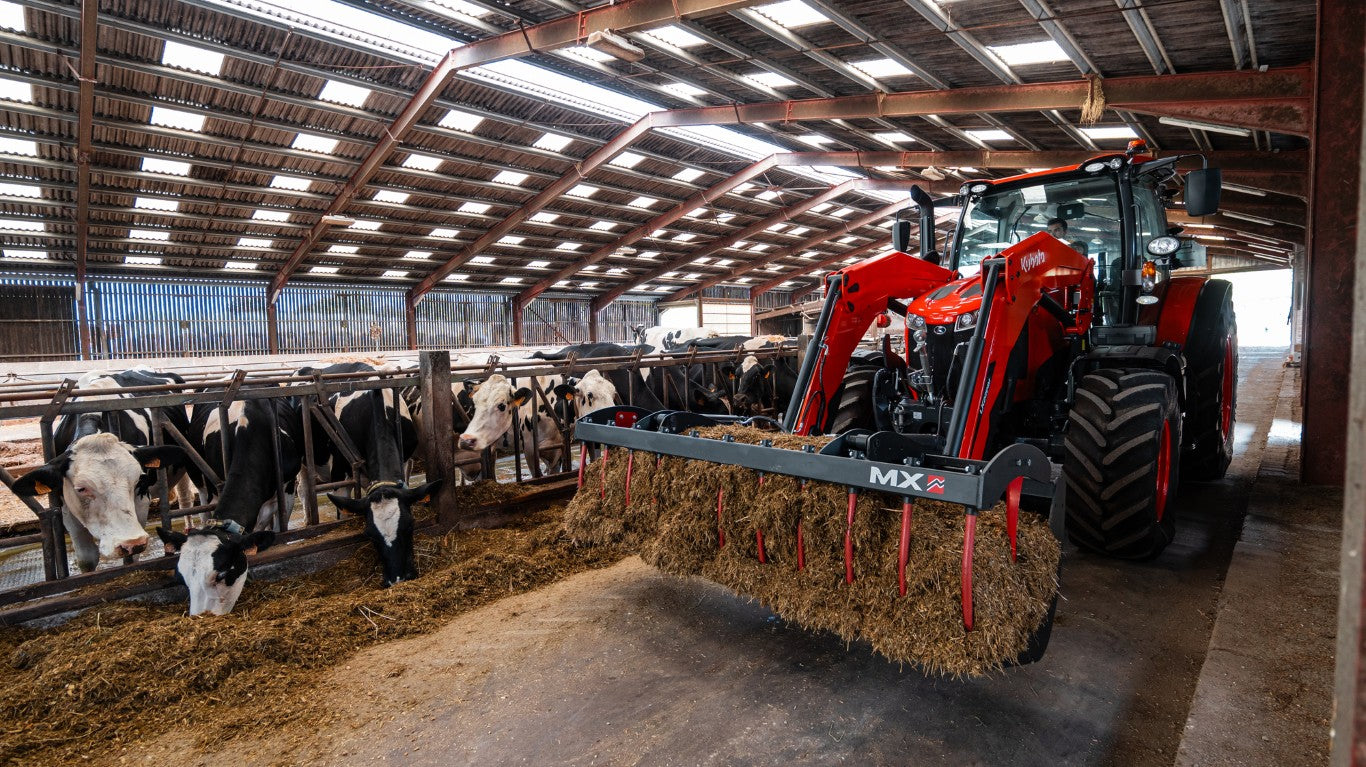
pixel 700 323
pixel 592 324
pixel 1331 238
pixel 410 311
pixel 272 326
pixel 518 309
pixel 1349 695
pixel 438 433
pixel 85 150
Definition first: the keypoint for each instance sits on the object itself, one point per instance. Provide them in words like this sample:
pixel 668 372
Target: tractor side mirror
pixel 901 235
pixel 1202 191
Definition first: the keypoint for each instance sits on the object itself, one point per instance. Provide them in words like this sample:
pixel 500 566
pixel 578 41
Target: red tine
pixel 759 534
pixel 1013 511
pixel 720 534
pixel 630 463
pixel 583 460
pixel 969 536
pixel 849 539
pixel 905 551
pixel 602 491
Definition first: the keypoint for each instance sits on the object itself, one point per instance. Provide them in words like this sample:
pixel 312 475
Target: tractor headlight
pixel 966 321
pixel 917 321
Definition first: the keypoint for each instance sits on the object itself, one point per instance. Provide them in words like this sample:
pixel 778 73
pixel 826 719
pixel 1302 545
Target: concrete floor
pixel 628 666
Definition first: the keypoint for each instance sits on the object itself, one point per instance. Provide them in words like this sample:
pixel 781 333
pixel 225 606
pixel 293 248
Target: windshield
pixel 1088 208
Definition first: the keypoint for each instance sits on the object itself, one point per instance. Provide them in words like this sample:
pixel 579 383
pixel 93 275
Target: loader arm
pixel 1039 272
pixel 855 295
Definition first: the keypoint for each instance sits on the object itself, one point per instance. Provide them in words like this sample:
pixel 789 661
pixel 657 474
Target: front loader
pixel 1067 379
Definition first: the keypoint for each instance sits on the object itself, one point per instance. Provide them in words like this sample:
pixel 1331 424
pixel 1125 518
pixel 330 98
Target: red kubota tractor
pixel 1075 369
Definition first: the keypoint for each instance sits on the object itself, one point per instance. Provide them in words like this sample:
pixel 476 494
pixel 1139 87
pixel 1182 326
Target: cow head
pixel 755 389
pixel 99 477
pixel 495 402
pixel 387 510
pixel 213 564
pixel 593 392
pixel 708 401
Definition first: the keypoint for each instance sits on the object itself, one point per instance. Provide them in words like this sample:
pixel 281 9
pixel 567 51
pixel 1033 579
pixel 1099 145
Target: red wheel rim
pixel 1163 469
pixel 1226 395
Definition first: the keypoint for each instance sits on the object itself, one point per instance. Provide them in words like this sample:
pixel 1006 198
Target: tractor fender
pixel 1165 359
pixel 1177 310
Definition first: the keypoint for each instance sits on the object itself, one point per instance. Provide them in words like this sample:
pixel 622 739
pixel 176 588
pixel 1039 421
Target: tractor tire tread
pixel 1111 500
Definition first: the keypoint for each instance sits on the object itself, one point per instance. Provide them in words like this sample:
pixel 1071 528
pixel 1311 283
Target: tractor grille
pixel 941 341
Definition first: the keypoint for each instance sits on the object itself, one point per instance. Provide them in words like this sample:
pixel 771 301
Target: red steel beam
pixel 697 200
pixel 530 207
pixel 721 243
pixel 1288 234
pixel 1286 164
pixel 763 287
pixel 1292 184
pixel 573 29
pixel 1235 252
pixel 1276 100
pixel 1291 213
pixel 85 149
pixel 847 227
pixel 374 160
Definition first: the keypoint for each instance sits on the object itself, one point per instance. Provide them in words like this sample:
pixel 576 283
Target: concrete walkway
pixel 1265 694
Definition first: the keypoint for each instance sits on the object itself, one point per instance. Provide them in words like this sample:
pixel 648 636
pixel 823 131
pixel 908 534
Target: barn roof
pixel 222 131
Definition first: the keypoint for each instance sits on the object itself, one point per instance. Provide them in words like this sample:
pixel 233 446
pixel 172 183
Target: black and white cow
pixel 104 469
pixel 630 385
pixel 498 405
pixel 213 563
pixel 764 387
pixel 381 428
pixel 664 339
pixel 213 559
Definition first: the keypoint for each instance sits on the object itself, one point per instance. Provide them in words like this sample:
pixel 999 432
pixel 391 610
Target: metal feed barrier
pixel 436 419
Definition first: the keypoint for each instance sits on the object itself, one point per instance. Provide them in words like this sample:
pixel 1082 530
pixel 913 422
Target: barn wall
pixel 162 317
pixel 37 320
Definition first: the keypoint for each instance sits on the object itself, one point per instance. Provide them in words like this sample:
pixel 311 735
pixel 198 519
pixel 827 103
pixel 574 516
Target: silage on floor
pixel 117 674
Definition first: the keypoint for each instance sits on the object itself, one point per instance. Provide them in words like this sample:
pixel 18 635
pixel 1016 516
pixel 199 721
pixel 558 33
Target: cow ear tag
pixel 41 488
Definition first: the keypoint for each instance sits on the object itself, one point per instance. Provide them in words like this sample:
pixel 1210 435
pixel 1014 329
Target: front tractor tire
pixel 1212 384
pixel 1121 462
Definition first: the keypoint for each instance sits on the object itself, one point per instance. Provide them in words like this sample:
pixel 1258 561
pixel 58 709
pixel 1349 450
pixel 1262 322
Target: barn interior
pixel 452 190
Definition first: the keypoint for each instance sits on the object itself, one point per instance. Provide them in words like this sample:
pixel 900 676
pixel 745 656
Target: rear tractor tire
pixel 853 403
pixel 1211 385
pixel 1121 462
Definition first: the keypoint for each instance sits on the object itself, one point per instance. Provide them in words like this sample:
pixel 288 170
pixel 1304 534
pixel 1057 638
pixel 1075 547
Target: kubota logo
pixel 897 478
pixel 1031 260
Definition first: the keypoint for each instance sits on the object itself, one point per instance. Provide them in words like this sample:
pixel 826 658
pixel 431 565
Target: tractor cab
pixel 1110 209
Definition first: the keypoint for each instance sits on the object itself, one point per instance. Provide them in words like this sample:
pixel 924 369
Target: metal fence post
pixel 434 368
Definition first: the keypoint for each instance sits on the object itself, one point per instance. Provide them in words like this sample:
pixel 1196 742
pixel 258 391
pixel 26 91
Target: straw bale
pixel 675 527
